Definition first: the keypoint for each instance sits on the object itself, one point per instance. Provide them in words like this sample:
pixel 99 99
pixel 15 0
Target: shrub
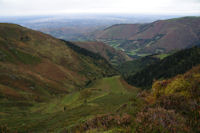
pixel 160 120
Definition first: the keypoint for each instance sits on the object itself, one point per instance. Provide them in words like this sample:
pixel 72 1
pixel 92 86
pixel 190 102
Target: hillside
pixel 115 57
pixel 157 37
pixel 106 100
pixel 50 85
pixel 172 65
pixel 41 66
pixel 172 105
pixel 36 70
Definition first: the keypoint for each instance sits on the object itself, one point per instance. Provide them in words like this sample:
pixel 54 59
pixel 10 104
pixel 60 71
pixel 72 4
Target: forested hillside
pixel 177 63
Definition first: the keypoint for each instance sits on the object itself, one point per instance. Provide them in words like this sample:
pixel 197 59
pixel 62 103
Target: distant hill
pixel 114 56
pixel 157 37
pixel 177 63
pixel 119 31
pixel 36 66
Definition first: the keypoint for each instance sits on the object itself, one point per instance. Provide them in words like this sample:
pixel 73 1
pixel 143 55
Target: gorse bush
pixel 180 95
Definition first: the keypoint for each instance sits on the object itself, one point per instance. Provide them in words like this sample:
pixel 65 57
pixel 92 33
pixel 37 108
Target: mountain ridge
pixel 157 37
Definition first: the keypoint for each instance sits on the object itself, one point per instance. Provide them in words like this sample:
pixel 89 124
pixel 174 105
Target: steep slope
pixel 113 56
pixel 37 66
pixel 159 36
pixel 177 63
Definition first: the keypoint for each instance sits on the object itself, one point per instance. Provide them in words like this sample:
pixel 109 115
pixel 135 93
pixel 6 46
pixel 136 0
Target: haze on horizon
pixel 47 7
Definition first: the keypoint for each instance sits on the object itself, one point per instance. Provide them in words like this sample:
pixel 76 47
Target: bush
pixel 160 120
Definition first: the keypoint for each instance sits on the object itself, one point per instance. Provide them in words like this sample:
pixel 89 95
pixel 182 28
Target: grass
pixel 110 84
pixel 25 57
pixel 162 56
pixel 13 55
pixel 101 97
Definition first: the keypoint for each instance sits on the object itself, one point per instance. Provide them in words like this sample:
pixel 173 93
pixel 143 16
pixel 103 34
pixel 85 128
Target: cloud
pixel 30 7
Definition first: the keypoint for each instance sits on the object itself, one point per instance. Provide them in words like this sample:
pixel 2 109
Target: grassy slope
pixel 104 96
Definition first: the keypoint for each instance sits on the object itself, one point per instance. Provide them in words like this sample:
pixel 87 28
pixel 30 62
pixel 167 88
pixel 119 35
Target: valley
pixel 127 78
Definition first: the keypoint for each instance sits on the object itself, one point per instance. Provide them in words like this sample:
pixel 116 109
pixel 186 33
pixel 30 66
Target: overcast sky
pixel 42 7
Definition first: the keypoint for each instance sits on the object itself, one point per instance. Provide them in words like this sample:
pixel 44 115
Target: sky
pixel 49 7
